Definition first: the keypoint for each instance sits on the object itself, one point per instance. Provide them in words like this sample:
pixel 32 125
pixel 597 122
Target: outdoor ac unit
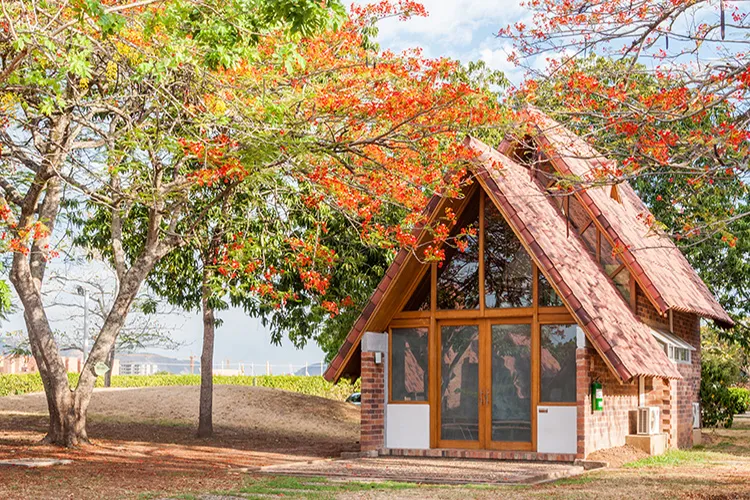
pixel 648 420
pixel 696 415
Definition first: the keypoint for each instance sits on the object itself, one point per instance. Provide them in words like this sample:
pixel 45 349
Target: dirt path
pixel 144 440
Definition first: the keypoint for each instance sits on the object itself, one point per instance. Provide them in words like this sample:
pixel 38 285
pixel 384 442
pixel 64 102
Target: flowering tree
pixel 356 140
pixel 177 124
pixel 662 87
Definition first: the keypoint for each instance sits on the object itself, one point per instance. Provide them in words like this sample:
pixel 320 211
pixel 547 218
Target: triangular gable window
pixel 508 271
pixel 507 267
pixel 458 276
pixel 420 298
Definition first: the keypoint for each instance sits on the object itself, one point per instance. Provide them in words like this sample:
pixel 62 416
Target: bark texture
pixel 205 417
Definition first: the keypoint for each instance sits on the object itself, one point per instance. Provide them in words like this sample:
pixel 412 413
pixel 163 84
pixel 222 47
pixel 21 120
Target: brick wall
pixel 677 410
pixel 687 327
pixel 372 427
pixel 602 429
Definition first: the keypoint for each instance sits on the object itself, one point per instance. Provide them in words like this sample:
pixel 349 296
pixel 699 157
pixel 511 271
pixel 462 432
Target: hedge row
pixel 740 398
pixel 314 386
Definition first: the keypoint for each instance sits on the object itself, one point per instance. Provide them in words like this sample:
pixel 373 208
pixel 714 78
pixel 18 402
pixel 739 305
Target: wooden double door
pixel 487 384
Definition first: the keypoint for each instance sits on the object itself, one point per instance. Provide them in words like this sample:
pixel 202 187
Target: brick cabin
pixel 495 352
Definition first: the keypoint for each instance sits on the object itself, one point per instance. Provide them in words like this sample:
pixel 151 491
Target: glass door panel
pixel 459 383
pixel 510 389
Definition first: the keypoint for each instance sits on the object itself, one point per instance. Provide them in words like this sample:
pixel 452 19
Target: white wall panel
pixel 556 429
pixel 407 426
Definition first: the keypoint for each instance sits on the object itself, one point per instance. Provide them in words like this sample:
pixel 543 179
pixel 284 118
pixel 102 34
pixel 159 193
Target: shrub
pixel 314 386
pixel 719 402
pixel 741 399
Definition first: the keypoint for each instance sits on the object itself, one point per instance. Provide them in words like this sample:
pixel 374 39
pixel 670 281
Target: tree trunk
pixel 205 418
pixel 111 364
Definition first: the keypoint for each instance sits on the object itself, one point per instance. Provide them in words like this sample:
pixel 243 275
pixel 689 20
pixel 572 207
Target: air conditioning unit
pixel 696 415
pixel 649 418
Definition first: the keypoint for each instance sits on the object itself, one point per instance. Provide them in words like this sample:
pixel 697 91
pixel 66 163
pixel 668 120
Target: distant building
pixel 138 368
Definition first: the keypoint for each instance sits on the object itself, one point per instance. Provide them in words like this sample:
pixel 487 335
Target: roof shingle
pixel 674 286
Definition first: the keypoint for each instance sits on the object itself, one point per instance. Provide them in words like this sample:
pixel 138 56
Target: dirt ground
pixel 616 457
pixel 144 440
pixel 145 447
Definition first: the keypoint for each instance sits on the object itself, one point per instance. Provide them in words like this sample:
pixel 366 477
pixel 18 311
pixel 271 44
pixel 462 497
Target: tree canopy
pixel 662 88
pixel 143 122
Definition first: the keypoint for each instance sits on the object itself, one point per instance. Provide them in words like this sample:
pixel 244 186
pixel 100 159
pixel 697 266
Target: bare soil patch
pixel 616 457
pixel 144 440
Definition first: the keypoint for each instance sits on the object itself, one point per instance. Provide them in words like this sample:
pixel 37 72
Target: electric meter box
pixel 597 397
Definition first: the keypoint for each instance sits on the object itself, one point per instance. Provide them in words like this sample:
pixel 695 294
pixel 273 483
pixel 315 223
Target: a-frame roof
pixel 624 342
pixel 675 286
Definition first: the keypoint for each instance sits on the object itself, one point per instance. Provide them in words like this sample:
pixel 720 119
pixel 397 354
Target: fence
pixel 192 366
pixel 124 366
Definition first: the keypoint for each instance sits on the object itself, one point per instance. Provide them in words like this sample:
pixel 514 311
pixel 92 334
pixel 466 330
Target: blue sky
pixel 459 29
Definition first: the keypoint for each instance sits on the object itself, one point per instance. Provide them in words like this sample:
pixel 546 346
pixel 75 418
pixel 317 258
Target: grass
pixel 677 458
pixel 314 488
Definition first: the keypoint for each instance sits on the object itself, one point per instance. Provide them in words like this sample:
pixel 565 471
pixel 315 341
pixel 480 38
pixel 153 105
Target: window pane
pixel 459 393
pixel 420 299
pixel 622 282
pixel 507 266
pixel 558 363
pixel 511 383
pixel 589 238
pixel 608 260
pixel 409 364
pixel 458 276
pixel 547 295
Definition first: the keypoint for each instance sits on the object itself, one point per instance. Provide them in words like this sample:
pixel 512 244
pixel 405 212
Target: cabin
pixel 567 325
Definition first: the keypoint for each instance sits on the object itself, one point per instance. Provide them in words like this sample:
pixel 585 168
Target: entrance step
pixel 480 454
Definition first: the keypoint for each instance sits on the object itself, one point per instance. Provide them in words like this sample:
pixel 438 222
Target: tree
pixel 354 122
pixel 91 112
pixel 720 254
pixel 144 327
pixel 661 87
pixel 148 121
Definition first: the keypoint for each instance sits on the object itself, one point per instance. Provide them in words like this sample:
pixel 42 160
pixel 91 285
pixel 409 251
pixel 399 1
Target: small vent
pixel 615 194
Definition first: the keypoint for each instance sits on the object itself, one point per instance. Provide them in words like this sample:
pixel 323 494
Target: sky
pixel 459 29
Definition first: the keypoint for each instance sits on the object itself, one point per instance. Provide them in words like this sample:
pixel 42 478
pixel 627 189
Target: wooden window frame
pixel 484 317
pixel 401 324
pixel 553 321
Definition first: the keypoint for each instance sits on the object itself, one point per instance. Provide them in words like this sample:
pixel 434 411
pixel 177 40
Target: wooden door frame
pixel 534 381
pixel 484 384
pixel 438 383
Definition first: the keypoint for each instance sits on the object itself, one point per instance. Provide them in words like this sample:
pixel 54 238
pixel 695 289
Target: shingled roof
pixel 624 342
pixel 676 286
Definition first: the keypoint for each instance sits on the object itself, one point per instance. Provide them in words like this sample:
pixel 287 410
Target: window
pixel 622 282
pixel 420 298
pixel 558 363
pixel 547 295
pixel 458 277
pixel 409 369
pixel 507 266
pixel 674 347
